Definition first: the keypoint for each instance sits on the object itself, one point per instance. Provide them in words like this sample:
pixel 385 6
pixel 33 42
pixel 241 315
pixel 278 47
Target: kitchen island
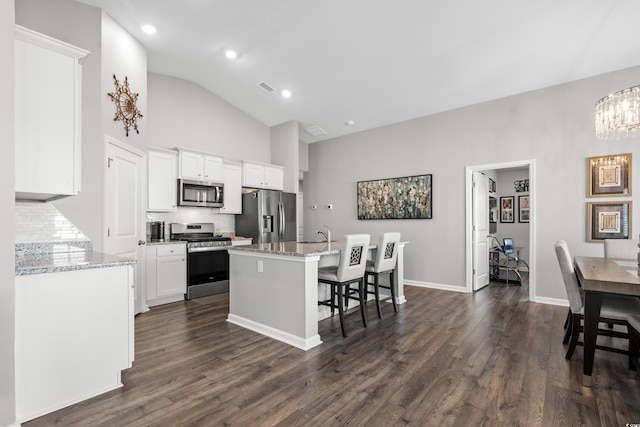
pixel 274 291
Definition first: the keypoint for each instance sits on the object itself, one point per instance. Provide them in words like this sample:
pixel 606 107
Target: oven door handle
pixel 208 249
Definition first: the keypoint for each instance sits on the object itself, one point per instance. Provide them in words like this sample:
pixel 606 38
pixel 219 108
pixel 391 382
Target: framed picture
pixel 608 220
pixel 524 208
pixel 493 209
pixel 492 186
pixel 609 176
pixel 506 209
pixel 395 198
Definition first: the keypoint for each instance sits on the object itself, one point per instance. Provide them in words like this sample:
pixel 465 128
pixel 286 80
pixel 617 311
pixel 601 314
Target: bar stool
pixel 350 269
pixel 384 263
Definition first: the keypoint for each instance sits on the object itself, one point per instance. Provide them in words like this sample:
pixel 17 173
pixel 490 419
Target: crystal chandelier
pixel 618 115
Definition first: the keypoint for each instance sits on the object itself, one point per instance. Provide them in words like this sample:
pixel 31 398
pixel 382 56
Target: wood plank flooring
pixel 446 359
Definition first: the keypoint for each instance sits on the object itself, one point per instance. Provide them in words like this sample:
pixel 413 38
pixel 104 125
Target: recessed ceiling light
pixel 149 29
pixel 231 54
pixel 349 123
pixel 286 93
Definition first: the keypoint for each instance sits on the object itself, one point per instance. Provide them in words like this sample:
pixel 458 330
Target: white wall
pixel 7 197
pixel 553 125
pixel 123 56
pixel 184 114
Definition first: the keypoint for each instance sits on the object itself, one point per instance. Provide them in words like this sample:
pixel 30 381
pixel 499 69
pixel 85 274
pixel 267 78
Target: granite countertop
pixel 298 249
pixel 40 263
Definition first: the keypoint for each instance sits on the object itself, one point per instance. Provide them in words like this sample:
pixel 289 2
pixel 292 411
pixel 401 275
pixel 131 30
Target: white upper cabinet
pixel 162 181
pixel 48 97
pixel 274 177
pixel 200 167
pixel 213 169
pixel 258 175
pixel 232 189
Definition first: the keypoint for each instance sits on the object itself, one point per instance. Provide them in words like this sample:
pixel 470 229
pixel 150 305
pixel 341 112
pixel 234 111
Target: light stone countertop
pixel 297 249
pixel 42 263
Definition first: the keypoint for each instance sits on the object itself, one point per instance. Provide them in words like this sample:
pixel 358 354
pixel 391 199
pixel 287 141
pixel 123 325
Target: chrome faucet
pixel 326 235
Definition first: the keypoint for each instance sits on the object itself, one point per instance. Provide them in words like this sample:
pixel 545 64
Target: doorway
pixel 528 165
pixel 124 209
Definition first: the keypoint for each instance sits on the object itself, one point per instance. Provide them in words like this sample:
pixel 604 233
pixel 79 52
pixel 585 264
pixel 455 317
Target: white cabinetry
pixel 232 178
pixel 200 167
pixel 48 96
pixel 259 175
pixel 74 336
pixel 166 273
pixel 162 181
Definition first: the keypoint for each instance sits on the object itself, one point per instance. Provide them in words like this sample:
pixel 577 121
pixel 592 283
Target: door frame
pixel 531 164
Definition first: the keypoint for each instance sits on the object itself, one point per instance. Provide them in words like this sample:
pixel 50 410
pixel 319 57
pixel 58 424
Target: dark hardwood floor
pixel 446 359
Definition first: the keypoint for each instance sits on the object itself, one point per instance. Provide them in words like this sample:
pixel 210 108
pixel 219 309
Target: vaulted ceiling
pixel 353 65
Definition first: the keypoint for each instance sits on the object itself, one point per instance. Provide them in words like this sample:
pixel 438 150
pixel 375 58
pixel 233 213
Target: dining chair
pixel 350 269
pixel 621 248
pixel 614 310
pixel 384 263
pixel 633 322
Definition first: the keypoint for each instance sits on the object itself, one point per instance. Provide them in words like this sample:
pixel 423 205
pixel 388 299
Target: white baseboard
pixel 552 301
pixel 435 286
pixel 276 334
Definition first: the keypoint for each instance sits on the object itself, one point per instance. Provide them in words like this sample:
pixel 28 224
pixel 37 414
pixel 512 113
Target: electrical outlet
pixel 260 267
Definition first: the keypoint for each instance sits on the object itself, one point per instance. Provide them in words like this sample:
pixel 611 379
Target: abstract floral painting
pixel 395 198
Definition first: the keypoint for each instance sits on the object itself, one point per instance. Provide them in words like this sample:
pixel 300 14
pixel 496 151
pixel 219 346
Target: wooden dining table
pixel 598 277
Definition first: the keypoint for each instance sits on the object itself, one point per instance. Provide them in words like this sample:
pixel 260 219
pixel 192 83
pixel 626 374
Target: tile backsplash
pixel 225 223
pixel 42 222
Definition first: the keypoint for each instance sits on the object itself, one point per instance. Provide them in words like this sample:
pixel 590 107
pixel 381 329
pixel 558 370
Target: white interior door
pixel 125 210
pixel 480 226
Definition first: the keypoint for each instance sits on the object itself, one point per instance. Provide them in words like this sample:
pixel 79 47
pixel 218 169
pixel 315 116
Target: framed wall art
pixel 506 209
pixel 609 176
pixel 608 220
pixel 395 198
pixel 524 208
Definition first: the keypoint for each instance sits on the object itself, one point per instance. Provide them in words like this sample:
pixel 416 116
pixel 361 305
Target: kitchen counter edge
pixel 70 261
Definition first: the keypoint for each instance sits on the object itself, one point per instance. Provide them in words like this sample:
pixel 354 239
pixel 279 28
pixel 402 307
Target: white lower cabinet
pixel 166 273
pixel 74 336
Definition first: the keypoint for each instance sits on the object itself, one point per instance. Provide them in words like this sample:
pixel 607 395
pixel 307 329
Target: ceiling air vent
pixel 315 130
pixel 264 86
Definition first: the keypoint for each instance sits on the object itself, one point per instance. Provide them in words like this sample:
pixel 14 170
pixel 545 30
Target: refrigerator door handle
pixel 281 220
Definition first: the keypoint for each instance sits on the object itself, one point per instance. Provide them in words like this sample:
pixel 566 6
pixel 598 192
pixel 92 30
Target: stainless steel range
pixel 207 258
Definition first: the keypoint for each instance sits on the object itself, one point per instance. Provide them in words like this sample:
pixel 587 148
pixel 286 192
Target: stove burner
pixel 198 235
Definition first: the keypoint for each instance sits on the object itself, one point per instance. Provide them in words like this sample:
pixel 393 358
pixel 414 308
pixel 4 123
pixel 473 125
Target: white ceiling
pixel 377 62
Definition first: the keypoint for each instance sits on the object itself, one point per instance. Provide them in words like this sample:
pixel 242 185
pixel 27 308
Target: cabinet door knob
pixel 141 242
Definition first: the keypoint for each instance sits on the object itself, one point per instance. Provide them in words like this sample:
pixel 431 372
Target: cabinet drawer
pixel 170 250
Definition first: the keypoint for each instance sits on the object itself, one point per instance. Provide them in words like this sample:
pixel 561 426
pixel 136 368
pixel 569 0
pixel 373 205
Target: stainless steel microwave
pixel 200 193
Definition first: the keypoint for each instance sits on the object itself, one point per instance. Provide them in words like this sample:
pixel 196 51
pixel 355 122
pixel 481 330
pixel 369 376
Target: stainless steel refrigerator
pixel 268 216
